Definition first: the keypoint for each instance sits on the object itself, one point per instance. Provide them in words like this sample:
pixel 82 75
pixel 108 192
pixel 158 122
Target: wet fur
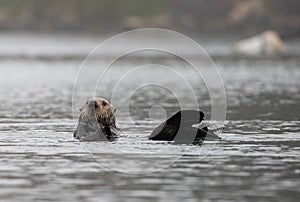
pixel 96 121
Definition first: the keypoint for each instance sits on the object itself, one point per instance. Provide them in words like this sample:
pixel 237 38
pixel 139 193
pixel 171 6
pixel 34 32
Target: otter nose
pixel 93 103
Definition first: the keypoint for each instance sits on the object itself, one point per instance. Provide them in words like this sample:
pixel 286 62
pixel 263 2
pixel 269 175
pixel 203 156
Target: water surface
pixel 256 160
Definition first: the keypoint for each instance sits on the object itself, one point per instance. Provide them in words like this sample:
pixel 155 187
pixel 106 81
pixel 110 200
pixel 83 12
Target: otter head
pixel 99 110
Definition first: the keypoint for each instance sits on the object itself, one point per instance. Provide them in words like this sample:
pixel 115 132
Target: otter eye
pixel 104 103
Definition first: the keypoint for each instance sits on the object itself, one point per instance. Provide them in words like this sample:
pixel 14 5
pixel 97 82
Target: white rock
pixel 267 43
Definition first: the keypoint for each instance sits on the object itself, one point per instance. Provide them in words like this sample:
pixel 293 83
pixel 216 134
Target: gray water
pixel 257 158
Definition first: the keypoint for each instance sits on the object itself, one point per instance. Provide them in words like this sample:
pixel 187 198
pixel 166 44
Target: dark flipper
pixel 179 128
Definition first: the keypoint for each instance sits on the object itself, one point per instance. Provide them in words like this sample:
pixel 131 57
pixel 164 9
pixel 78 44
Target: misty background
pixel 245 17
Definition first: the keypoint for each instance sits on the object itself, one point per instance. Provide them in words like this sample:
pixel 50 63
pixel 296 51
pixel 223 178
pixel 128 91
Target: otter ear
pixel 114 110
pixel 80 109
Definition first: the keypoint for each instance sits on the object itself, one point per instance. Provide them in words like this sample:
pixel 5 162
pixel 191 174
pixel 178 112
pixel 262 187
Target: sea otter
pixel 96 121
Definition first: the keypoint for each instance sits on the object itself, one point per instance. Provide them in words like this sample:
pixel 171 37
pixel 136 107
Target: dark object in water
pixel 179 128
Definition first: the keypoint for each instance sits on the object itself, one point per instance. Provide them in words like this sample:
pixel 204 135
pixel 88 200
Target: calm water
pixel 256 160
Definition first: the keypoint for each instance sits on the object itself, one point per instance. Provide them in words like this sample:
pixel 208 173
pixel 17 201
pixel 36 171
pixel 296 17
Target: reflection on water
pixel 256 160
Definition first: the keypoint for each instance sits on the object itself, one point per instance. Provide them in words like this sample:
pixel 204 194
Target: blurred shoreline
pixel 231 17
